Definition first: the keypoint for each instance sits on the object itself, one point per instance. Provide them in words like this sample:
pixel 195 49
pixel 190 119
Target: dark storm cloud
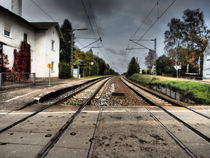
pixel 103 9
pixel 113 51
pixel 75 8
pixel 116 19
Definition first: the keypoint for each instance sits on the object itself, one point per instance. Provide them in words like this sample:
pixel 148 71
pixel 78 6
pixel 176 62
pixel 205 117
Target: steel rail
pixel 176 139
pixel 45 150
pixel 169 100
pixel 92 144
pixel 197 132
pixel 46 107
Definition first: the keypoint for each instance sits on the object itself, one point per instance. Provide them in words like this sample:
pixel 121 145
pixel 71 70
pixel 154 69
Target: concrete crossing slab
pixel 121 132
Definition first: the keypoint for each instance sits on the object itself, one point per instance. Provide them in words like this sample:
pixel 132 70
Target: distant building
pixel 43 37
pixel 206 63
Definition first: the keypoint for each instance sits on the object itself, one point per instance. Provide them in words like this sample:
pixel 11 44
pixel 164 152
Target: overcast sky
pixel 117 20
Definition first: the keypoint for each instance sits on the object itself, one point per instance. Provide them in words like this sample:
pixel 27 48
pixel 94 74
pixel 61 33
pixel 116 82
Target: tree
pixel 66 49
pixel 66 44
pixel 164 65
pixel 133 67
pixel 100 67
pixel 187 38
pixel 196 33
pixel 150 59
pixel 174 36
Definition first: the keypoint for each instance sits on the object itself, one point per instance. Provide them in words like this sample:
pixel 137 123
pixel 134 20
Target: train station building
pixel 43 38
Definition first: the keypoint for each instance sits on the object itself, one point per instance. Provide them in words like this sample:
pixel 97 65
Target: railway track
pixel 165 100
pixel 161 102
pixel 82 130
pixel 47 105
pixel 44 151
pixel 156 98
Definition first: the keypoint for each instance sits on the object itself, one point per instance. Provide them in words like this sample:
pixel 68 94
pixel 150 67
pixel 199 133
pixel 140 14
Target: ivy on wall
pixel 22 61
pixel 3 63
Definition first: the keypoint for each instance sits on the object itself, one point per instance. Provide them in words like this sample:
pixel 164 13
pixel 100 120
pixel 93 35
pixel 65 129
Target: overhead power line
pixel 86 37
pixel 43 10
pixel 91 43
pixel 90 13
pixel 163 13
pixel 93 15
pixel 146 17
pixel 157 19
pixel 94 20
pixel 140 44
pixel 88 17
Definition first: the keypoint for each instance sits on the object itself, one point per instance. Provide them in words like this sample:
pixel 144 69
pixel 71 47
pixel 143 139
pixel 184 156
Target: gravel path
pixel 118 94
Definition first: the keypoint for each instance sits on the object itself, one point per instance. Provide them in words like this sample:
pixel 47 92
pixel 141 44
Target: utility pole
pixel 155 49
pixel 97 63
pixel 71 55
pixel 144 47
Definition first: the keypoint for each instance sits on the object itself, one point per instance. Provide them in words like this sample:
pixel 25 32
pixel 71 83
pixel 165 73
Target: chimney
pixel 17 7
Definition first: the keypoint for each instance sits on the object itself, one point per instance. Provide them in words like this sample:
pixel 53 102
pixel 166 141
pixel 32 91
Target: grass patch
pixel 198 92
pixel 92 77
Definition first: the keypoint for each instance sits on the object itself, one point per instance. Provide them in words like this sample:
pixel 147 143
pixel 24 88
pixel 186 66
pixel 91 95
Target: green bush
pixel 64 70
pixel 198 92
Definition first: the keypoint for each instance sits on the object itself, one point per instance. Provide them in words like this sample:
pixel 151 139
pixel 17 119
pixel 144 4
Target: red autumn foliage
pixel 3 67
pixel 3 63
pixel 22 61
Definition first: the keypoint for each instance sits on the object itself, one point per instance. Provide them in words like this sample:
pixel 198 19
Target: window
pixel 52 63
pixel 25 37
pixel 53 45
pixel 7 30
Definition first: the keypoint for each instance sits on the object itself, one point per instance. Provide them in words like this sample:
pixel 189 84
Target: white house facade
pixel 43 37
pixel 206 63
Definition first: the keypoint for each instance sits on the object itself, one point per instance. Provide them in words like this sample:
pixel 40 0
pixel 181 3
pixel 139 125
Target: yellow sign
pixel 49 66
pixel 72 66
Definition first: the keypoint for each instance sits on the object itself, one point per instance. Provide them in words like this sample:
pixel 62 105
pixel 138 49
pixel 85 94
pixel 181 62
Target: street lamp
pixel 90 64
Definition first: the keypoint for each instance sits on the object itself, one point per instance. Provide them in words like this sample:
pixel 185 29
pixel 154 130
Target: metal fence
pixel 16 79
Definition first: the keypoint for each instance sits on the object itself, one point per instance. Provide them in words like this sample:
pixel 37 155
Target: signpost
pixel 49 67
pixel 177 68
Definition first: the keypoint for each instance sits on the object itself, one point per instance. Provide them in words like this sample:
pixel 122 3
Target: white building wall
pixel 40 41
pixel 38 57
pixel 9 51
pixel 17 35
pixel 52 55
pixel 206 63
pixel 44 50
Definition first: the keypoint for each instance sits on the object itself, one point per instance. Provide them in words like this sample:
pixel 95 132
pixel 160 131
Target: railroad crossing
pixel 103 117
